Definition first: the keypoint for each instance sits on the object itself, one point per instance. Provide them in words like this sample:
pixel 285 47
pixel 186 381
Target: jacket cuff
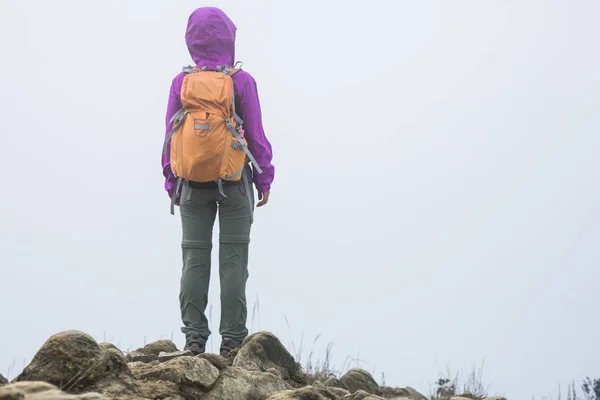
pixel 263 188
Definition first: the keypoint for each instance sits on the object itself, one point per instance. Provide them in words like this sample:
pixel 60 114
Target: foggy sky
pixel 436 194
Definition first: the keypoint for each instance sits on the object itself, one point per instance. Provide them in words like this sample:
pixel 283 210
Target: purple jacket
pixel 210 38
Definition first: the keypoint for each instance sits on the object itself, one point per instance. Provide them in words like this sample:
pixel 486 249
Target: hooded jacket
pixel 210 38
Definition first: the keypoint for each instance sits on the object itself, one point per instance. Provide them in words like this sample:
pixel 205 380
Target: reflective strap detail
pixel 189 69
pixel 237 118
pixel 225 70
pixel 220 186
pixel 237 146
pixel 244 147
pixel 176 195
pixel 201 127
pixel 177 116
pixel 248 194
pixel 228 177
pixel 169 136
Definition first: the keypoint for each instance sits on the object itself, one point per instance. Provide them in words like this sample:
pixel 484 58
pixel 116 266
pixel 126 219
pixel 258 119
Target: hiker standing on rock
pixel 214 149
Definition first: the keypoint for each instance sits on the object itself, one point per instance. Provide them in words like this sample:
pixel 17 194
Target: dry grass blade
pixel 449 385
pixel 72 382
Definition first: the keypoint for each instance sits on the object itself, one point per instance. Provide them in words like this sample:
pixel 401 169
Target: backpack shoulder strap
pixel 189 69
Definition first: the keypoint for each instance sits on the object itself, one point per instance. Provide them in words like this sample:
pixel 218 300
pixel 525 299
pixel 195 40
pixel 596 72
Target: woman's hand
pixel 264 198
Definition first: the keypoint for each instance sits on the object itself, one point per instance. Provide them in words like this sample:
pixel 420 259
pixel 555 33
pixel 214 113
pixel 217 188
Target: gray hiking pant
pixel 198 208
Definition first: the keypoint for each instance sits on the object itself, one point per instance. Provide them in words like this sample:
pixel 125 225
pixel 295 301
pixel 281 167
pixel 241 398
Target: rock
pixel 112 363
pixel 358 379
pixel 495 398
pixel 136 356
pixel 305 393
pixel 29 387
pixel 42 391
pixel 274 371
pixel 362 395
pixel 157 347
pixel 128 388
pixel 163 357
pixel 3 380
pixel 324 391
pixel 20 390
pixel 136 364
pixel 139 368
pixel 106 346
pixel 340 393
pixel 238 383
pixel 262 351
pixel 334 382
pixel 7 393
pixel 60 395
pixel 414 395
pixel 217 360
pixel 190 371
pixel 67 359
pixel 177 379
pixel 397 398
pixel 231 356
pixel 388 392
pixel 468 395
pixel 155 390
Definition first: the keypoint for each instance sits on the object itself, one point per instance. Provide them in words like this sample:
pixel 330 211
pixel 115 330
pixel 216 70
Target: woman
pixel 210 39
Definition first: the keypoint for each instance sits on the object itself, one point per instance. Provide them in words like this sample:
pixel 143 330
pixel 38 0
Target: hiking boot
pixel 227 345
pixel 195 343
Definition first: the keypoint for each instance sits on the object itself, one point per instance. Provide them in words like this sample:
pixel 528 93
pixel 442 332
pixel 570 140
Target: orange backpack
pixel 206 140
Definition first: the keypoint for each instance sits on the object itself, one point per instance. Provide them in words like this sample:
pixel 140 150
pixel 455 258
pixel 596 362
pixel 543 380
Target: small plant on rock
pixel 591 388
pixel 449 385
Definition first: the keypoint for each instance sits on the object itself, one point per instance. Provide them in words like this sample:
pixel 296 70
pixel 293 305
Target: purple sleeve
pixel 249 110
pixel 173 105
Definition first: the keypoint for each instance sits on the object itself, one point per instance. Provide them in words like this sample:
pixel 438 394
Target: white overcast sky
pixel 436 196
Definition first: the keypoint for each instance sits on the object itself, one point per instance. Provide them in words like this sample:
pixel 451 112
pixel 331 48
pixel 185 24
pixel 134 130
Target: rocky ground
pixel 73 366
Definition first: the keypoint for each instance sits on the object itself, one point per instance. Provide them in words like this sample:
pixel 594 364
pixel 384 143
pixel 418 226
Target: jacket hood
pixel 210 37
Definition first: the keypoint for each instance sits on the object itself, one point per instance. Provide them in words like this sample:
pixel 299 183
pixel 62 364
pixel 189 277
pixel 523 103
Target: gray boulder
pixel 334 382
pixel 163 357
pixel 325 391
pixel 25 388
pixel 305 393
pixel 340 393
pixel 217 360
pixel 74 362
pixel 136 356
pixel 358 379
pixel 262 351
pixel 155 348
pixel 414 395
pixel 42 391
pixel 188 371
pixel 110 364
pixel 60 395
pixel 67 359
pixel 362 395
pixel 394 393
pixel 106 346
pixel 238 383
